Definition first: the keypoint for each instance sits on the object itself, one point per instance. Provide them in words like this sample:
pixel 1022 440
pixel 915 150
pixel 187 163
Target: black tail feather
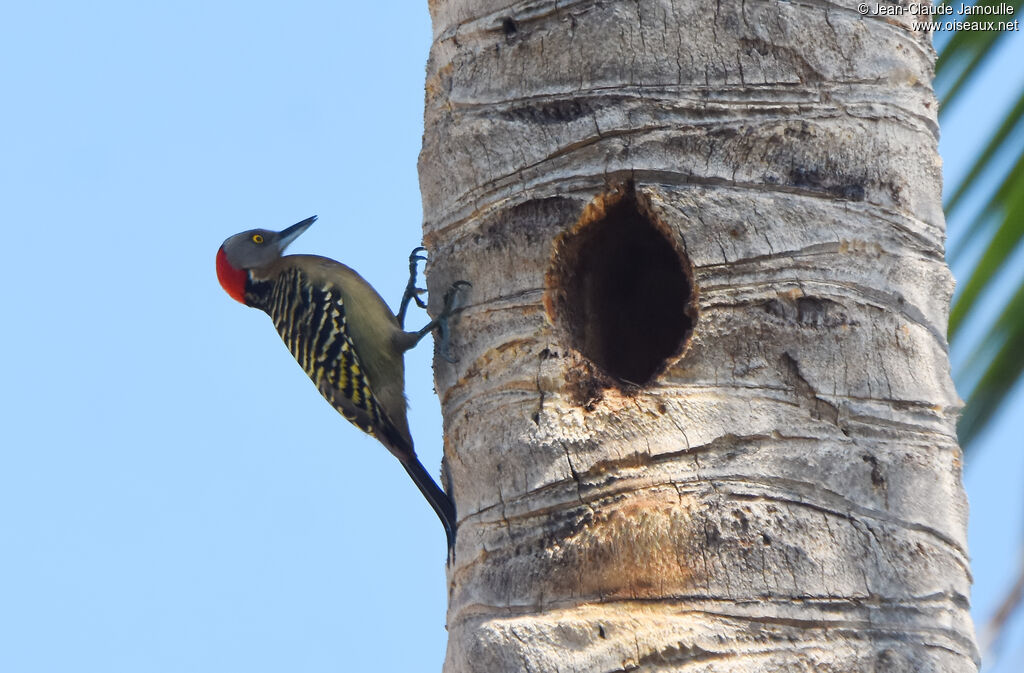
pixel 437 498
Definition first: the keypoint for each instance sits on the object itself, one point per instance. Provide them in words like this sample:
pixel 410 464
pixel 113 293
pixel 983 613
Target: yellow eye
pixel 257 238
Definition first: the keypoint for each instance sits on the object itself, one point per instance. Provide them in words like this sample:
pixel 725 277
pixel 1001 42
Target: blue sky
pixel 174 495
pixel 994 472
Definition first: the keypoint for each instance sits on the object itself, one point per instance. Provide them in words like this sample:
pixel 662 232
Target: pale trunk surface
pixel 786 494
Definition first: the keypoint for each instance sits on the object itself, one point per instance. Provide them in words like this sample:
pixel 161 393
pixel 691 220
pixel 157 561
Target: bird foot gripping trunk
pixel 412 293
pixel 442 322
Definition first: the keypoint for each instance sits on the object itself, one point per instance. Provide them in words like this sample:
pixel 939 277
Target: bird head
pixel 250 250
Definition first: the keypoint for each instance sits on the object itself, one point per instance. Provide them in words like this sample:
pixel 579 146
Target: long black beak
pixel 293 232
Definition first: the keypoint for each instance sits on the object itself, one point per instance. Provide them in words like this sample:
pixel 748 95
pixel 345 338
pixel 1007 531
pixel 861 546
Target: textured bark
pixel 785 494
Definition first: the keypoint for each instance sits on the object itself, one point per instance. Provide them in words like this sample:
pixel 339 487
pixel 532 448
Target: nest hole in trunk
pixel 622 291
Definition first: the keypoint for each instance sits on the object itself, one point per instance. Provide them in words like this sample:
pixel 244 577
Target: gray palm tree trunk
pixel 702 417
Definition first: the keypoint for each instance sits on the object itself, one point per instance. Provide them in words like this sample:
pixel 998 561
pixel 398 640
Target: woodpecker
pixel 343 335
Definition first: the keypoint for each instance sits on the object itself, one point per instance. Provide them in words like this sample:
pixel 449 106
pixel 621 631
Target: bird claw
pixel 415 257
pixel 452 293
pixel 412 293
pixel 444 347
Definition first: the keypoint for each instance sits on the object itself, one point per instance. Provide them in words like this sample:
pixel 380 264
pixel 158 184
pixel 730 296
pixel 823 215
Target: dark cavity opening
pixel 625 294
pixel 510 27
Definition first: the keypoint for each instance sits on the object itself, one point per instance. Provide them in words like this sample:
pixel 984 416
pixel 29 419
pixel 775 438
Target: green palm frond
pixel 967 50
pixel 997 229
pixel 1001 369
pixel 1006 210
pixel 984 159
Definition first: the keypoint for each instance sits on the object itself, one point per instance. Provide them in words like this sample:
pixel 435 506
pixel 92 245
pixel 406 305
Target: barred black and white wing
pixel 351 345
pixel 311 320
